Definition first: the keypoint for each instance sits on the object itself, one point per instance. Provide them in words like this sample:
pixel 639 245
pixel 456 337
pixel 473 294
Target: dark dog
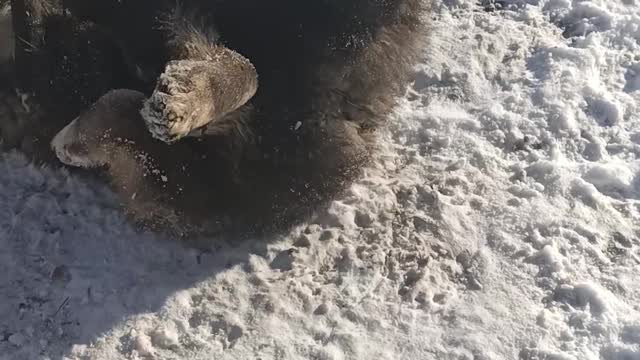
pixel 268 106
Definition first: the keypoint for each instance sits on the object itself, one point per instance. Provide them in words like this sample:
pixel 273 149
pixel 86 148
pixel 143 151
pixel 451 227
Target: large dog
pixel 241 114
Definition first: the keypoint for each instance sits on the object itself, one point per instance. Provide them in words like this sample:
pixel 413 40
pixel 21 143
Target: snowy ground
pixel 501 220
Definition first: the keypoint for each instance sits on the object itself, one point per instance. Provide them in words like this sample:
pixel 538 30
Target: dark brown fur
pixel 329 75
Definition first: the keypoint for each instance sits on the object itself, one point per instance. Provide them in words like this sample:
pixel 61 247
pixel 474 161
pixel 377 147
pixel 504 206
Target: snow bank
pixel 501 220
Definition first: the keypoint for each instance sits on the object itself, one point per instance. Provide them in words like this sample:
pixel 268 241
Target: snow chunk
pixel 586 192
pixel 583 295
pixel 548 257
pixel 166 337
pixel 610 179
pixel 605 110
pixel 142 344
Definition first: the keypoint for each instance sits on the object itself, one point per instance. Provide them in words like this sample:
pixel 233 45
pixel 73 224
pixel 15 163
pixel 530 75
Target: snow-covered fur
pixel 198 92
pixel 328 74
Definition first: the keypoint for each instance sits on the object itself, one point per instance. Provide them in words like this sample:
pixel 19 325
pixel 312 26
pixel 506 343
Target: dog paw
pixel 180 102
pixel 192 94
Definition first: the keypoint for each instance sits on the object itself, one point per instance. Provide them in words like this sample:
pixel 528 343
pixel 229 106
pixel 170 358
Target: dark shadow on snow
pixel 71 267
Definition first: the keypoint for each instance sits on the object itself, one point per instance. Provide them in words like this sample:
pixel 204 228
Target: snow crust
pixel 500 220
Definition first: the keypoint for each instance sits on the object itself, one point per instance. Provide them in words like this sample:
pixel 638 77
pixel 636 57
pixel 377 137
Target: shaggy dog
pixel 243 119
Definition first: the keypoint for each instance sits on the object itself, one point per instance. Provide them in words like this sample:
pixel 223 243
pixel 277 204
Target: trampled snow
pixel 500 220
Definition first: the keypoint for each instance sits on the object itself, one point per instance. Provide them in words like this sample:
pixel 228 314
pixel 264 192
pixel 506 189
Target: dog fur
pixel 329 73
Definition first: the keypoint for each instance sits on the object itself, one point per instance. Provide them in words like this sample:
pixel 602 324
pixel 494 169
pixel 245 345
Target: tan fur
pixel 191 94
pixel 363 93
pixel 189 37
pixel 198 91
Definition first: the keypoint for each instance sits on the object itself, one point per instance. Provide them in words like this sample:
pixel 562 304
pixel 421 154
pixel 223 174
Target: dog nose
pixel 70 149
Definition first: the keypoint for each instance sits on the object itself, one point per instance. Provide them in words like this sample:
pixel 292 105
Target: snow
pixel 500 220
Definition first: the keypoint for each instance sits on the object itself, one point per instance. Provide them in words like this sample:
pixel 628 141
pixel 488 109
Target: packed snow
pixel 500 220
